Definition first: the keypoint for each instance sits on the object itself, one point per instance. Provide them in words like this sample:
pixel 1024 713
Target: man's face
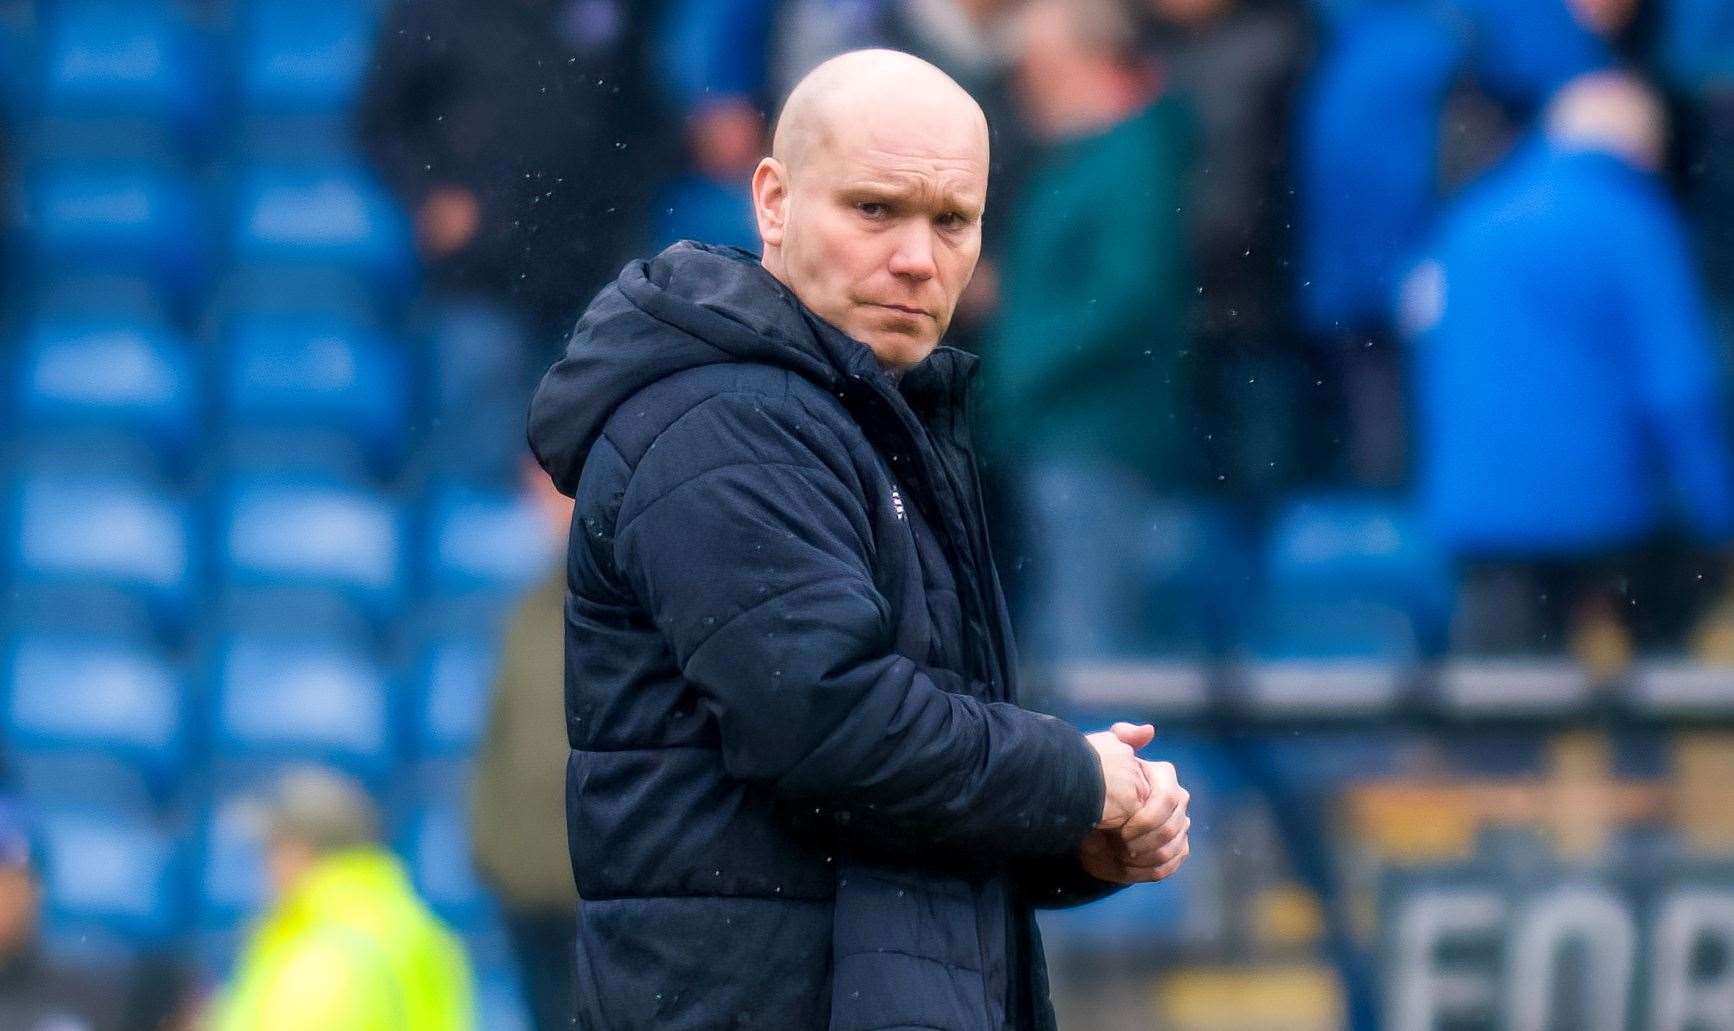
pixel 286 863
pixel 882 228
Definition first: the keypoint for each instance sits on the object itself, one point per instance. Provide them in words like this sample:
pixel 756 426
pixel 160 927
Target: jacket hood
pixel 692 305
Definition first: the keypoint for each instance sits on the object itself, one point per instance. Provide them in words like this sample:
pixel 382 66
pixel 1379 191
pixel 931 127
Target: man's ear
pixel 771 200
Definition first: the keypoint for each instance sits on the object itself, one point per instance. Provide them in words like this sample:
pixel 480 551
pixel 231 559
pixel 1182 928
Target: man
pixel 520 781
pixel 35 994
pixel 1568 384
pixel 802 794
pixel 493 148
pixel 346 946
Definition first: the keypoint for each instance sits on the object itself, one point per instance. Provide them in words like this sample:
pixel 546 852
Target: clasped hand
pixel 1142 835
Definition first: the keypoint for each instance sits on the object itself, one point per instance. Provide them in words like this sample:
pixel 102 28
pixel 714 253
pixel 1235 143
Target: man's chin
pixel 898 350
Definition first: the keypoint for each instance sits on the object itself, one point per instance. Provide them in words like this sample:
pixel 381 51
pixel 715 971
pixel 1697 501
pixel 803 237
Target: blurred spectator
pixel 35 993
pixel 712 61
pixel 519 133
pixel 346 943
pixel 517 811
pixel 1523 51
pixel 1411 99
pixel 963 37
pixel 1567 387
pixel 1086 378
pixel 1366 186
pixel 1235 65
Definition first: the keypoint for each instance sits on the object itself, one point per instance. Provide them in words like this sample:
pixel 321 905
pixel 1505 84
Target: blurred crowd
pixel 1476 254
pixel 1314 329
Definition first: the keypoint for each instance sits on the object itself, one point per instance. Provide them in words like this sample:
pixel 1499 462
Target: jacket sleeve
pixel 1675 366
pixel 1059 882
pixel 744 535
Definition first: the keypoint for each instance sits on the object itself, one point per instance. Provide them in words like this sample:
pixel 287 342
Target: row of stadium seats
pixel 343 548
pixel 115 721
pixel 1349 567
pixel 356 392
pixel 90 59
pixel 151 220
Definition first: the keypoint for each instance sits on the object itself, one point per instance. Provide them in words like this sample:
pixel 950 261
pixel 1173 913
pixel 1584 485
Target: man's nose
pixel 913 258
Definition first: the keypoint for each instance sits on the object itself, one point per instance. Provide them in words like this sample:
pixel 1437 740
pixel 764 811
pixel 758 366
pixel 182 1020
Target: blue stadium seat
pixel 123 61
pixel 436 845
pixel 111 874
pixel 330 215
pixel 1334 630
pixel 111 698
pixel 1197 571
pixel 78 374
pixel 230 879
pixel 477 358
pixel 283 699
pixel 452 682
pixel 296 58
pixel 500 999
pixel 104 295
pixel 75 531
pixel 303 534
pixel 311 375
pixel 483 541
pixel 1362 550
pixel 133 218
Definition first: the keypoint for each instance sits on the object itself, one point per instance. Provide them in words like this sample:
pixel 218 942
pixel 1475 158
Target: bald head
pixel 870 204
pixel 1612 112
pixel 865 84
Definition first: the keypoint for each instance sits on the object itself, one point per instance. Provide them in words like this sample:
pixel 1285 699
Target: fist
pixel 1126 786
pixel 1150 846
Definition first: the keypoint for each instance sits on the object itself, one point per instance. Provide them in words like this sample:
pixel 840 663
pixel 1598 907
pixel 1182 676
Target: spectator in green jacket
pixel 518 800
pixel 1086 391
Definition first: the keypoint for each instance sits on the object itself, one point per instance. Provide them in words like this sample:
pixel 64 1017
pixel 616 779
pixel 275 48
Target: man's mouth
pixel 905 309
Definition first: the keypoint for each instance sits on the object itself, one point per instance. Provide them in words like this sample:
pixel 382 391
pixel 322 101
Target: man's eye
pixel 871 209
pixel 950 220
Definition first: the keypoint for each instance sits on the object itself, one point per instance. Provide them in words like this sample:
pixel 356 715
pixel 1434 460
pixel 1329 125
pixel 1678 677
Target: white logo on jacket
pixel 896 501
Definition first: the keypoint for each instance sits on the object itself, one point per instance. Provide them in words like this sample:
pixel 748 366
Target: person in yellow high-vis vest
pixel 346 945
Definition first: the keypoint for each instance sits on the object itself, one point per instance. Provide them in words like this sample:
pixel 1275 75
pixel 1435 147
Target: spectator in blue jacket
pixel 1410 99
pixel 1567 385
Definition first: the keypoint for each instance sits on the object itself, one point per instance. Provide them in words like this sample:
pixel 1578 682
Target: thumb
pixel 1135 734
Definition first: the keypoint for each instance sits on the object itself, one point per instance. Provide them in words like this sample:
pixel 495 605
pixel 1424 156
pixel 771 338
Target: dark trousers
pixel 1518 607
pixel 546 949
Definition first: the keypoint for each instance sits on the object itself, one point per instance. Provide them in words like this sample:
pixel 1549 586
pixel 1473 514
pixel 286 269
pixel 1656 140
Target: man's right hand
pixel 1127 787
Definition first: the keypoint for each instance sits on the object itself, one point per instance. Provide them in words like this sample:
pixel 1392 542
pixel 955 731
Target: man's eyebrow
pixel 906 191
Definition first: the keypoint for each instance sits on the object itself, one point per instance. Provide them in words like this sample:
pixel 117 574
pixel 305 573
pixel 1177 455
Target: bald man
pixel 801 792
